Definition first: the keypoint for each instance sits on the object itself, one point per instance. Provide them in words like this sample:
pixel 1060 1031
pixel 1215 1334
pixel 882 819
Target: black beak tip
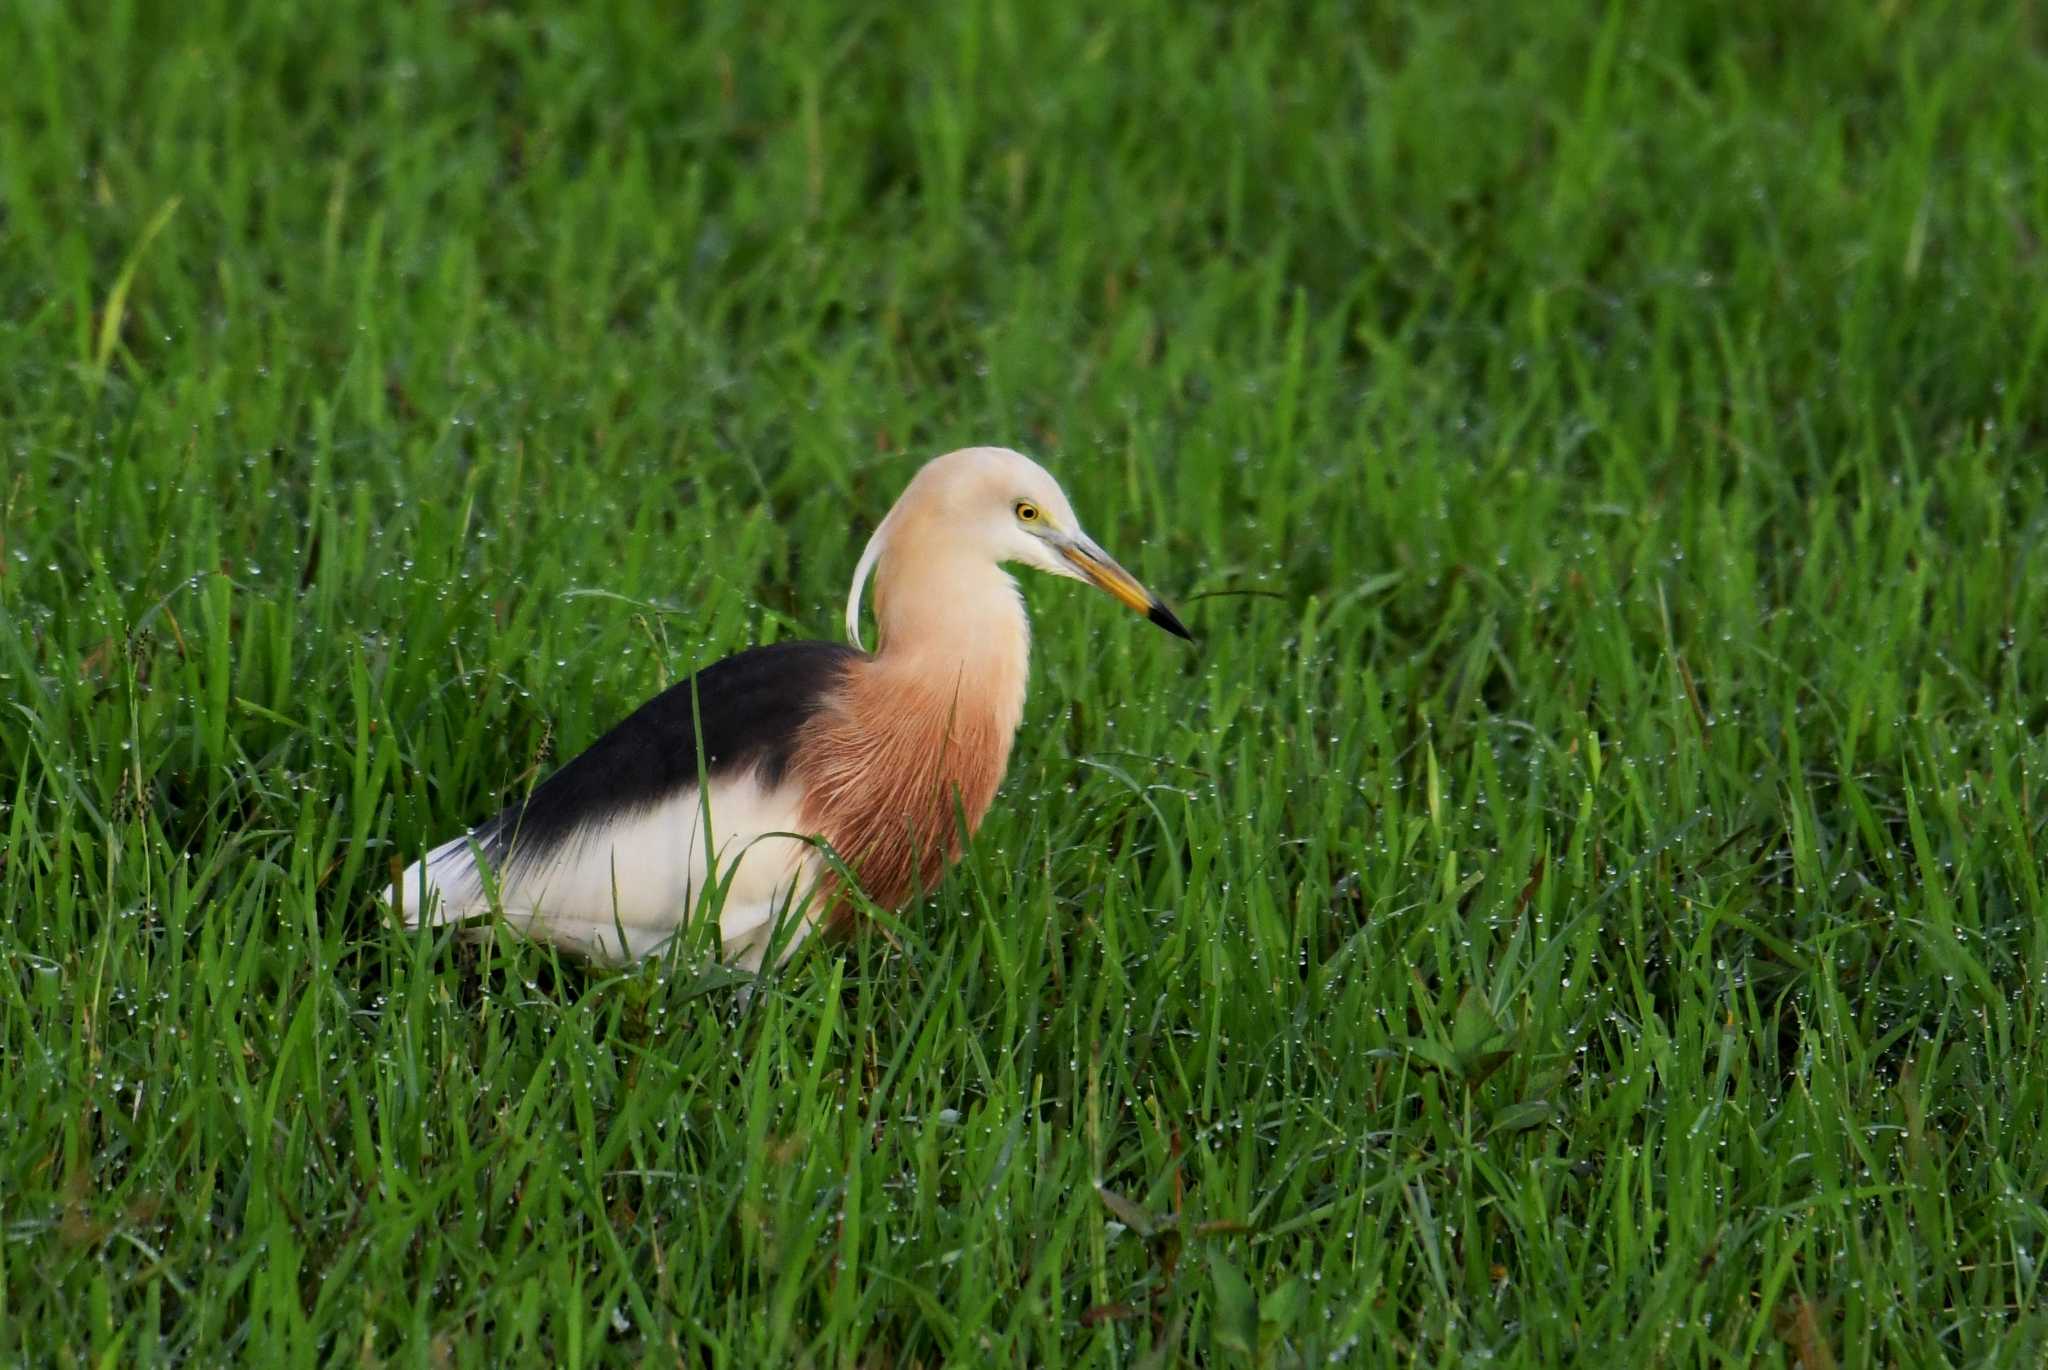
pixel 1163 616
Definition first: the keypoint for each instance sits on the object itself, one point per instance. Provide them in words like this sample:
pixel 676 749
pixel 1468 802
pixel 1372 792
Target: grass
pixel 1583 901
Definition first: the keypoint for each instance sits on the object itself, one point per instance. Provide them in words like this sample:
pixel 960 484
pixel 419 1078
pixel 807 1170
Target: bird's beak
pixel 1100 569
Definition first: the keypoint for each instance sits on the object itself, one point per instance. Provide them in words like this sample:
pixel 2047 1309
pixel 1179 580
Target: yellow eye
pixel 1027 512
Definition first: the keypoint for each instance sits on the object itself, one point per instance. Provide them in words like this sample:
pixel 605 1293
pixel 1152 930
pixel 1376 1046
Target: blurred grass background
pixel 1581 903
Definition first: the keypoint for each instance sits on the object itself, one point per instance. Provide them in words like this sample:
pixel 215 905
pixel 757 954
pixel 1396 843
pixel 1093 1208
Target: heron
pixel 739 786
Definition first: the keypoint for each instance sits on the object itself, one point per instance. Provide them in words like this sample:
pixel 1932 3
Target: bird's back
pixel 609 855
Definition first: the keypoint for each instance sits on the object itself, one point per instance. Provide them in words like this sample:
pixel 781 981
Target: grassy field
pixel 1583 901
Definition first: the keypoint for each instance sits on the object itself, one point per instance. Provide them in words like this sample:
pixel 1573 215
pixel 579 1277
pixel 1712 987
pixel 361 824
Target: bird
pixel 756 787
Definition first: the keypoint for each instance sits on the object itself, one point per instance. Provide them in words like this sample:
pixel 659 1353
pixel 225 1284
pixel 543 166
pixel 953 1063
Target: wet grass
pixel 1581 902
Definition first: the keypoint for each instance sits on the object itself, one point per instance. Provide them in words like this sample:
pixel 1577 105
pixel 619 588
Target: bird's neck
pixel 956 624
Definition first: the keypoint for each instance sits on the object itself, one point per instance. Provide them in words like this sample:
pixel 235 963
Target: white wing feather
pixel 620 888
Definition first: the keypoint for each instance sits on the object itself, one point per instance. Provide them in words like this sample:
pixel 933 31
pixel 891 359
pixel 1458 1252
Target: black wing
pixel 745 710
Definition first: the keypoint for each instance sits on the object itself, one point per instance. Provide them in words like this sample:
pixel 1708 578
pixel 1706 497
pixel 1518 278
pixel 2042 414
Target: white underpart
pixel 622 888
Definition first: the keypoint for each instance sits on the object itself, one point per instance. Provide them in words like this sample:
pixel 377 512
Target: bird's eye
pixel 1027 512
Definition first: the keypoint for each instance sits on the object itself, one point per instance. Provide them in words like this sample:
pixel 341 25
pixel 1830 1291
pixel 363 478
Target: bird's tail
pixel 441 887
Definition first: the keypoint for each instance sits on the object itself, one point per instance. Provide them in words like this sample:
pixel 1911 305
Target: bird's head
pixel 999 506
